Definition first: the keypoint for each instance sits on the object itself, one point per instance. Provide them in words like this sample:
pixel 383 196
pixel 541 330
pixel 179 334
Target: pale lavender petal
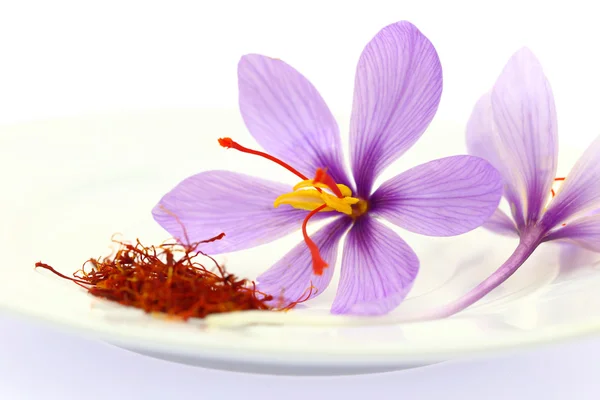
pixel 378 270
pixel 501 223
pixel 523 134
pixel 584 231
pixel 397 91
pixel 292 276
pixel 444 197
pixel 288 117
pixel 481 137
pixel 482 141
pixel 239 205
pixel 580 192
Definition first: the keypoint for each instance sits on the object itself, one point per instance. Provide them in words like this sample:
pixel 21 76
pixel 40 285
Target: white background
pixel 62 58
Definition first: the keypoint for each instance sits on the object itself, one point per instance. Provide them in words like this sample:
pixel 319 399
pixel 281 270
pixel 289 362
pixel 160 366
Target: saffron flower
pixel 514 127
pixel 397 91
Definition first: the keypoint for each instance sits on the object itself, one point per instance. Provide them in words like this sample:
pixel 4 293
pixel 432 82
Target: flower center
pixel 319 194
pixel 305 196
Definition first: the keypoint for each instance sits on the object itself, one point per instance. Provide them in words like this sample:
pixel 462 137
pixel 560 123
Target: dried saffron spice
pixel 168 279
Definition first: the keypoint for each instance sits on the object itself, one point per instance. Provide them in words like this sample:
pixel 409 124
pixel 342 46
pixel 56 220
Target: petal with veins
pixel 515 128
pixel 396 94
pixel 288 117
pixel 444 197
pixel 580 191
pixel 239 205
pixel 292 276
pixel 378 270
pixel 584 232
pixel 501 223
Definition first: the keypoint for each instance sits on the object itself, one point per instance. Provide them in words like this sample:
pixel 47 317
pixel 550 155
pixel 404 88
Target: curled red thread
pixel 166 279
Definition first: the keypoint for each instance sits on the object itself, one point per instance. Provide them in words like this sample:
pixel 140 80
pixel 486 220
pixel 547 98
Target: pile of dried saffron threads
pixel 155 280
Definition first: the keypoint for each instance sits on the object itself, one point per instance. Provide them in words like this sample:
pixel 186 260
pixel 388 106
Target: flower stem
pixel 529 241
pixel 527 245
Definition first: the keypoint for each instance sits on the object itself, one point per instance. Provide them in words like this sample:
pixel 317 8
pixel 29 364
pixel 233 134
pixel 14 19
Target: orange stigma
pixel 230 144
pixel 321 176
pixel 319 264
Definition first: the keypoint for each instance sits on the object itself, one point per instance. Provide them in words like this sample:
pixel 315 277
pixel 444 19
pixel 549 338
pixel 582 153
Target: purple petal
pixel 378 270
pixel 580 191
pixel 585 232
pixel 515 128
pixel 292 276
pixel 397 91
pixel 288 117
pixel 221 201
pixel 500 223
pixel 444 197
pixel 482 141
pixel 481 138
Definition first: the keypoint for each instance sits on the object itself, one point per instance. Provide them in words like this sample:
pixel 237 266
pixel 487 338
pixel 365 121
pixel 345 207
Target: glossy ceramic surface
pixel 69 184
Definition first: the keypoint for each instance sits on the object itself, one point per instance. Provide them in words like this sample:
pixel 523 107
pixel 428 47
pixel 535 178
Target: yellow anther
pixel 303 199
pixel 342 205
pixel 346 192
pixel 306 197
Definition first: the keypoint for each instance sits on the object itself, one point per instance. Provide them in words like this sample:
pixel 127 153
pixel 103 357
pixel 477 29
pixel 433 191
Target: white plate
pixel 68 185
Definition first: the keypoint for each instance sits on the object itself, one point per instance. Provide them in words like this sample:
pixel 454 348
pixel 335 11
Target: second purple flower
pixel 397 91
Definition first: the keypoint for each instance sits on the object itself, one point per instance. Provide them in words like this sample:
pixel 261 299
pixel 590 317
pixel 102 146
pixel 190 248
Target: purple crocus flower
pixel 514 127
pixel 397 92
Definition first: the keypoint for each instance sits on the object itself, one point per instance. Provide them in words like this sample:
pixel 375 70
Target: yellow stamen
pixel 306 197
pixel 345 190
pixel 302 199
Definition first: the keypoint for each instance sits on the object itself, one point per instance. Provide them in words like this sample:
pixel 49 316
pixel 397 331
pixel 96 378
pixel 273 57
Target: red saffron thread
pixel 155 280
pixel 318 263
pixel 321 176
pixel 230 144
pixel 304 297
pixel 80 282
